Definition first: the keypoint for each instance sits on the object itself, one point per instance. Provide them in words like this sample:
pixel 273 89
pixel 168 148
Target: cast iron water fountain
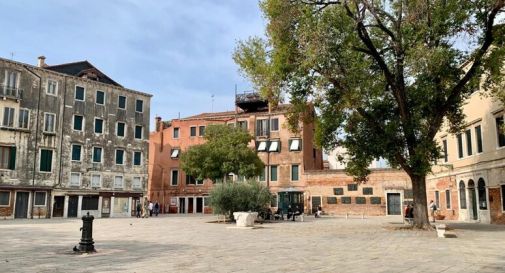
pixel 86 245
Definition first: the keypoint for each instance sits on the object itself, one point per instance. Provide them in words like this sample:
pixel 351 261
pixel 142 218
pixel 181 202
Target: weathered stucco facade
pixel 66 157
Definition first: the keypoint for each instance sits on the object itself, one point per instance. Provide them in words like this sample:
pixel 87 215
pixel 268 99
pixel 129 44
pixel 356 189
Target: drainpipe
pixel 36 138
pixel 61 130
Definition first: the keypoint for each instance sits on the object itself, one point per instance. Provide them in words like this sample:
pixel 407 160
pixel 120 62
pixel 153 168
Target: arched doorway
pixel 481 187
pixel 462 195
pixel 473 199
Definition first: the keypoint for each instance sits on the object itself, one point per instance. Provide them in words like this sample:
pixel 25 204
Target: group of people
pixel 148 210
pixel 409 210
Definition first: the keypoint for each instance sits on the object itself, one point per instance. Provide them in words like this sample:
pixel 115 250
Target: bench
pixel 441 229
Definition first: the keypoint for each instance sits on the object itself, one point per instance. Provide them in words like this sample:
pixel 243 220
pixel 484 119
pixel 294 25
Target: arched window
pixel 462 195
pixel 481 185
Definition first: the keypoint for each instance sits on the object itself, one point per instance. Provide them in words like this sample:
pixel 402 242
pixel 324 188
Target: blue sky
pixel 179 51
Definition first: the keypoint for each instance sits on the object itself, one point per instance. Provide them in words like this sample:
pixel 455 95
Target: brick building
pixel 72 141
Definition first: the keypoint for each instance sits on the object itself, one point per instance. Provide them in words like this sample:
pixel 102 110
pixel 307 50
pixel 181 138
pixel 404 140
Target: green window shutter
pixel 12 159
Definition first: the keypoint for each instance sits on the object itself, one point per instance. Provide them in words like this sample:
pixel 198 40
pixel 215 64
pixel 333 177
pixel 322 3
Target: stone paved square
pixel 192 244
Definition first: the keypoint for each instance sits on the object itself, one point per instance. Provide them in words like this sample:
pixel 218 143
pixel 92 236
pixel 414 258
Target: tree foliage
pixel 383 75
pixel 225 152
pixel 226 198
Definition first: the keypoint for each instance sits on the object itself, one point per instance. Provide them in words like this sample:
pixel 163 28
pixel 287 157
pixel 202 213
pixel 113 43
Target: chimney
pixel 42 61
pixel 158 124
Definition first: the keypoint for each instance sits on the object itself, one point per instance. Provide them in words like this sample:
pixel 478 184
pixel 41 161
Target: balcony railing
pixel 10 92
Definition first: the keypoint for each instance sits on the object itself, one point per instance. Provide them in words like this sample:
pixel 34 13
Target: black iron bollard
pixel 87 244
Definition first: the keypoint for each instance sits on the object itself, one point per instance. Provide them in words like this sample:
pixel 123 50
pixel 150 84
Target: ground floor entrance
pixel 21 209
pixel 190 204
pixel 293 199
pixel 394 204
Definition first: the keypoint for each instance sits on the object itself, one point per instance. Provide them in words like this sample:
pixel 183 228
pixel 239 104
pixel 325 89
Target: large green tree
pixel 225 151
pixel 383 75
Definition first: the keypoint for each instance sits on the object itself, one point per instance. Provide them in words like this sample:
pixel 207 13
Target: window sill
pixel 49 133
pixel 6 128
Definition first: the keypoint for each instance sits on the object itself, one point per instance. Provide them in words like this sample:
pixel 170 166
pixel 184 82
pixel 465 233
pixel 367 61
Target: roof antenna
pixel 212 107
pixel 12 56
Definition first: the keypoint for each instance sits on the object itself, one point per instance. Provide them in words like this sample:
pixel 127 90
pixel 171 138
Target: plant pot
pixel 440 217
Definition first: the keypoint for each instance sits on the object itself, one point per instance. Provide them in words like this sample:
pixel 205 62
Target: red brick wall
pixel 8 210
pixel 495 206
pixel 441 185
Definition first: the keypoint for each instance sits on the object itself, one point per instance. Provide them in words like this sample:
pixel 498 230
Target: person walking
pixel 150 207
pixel 156 208
pixel 433 208
pixel 139 209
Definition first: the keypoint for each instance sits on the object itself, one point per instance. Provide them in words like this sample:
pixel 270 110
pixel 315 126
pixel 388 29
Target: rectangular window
pixel 190 180
pixel 176 132
pixel 138 132
pixel 262 127
pixel 89 202
pixel 499 131
pixel 11 78
pixel 468 134
pixel 295 144
pixel 437 199
pixel 192 131
pixel 174 153
pixel 242 124
pixel 98 126
pixel 331 200
pixel 5 198
pixel 275 146
pixel 367 191
pixel 273 173
pixel 78 122
pixel 139 106
pixel 118 182
pixel 121 102
pixel 503 197
pixel 49 119
pixel 97 155
pixel 8 157
pixel 8 120
pixel 119 157
pixel 40 198
pixel 76 152
pixel 338 191
pixel 460 145
pixel 46 160
pixel 345 200
pixel 448 199
pixel 96 181
pixel 137 158
pixel 295 172
pixel 174 179
pixel 201 130
pixel 79 93
pixel 360 200
pixel 352 187
pixel 75 179
pixel 120 129
pixel 274 124
pixel 444 144
pixel 262 176
pixel 23 118
pixel 100 97
pixel 137 183
pixel 478 136
pixel 52 87
pixel 262 146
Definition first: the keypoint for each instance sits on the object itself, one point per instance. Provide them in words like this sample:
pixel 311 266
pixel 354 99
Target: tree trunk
pixel 421 219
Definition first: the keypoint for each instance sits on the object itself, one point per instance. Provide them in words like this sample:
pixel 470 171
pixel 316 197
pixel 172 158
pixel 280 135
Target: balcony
pixel 250 101
pixel 9 92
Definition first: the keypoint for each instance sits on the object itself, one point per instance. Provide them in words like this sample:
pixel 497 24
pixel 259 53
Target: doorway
pixel 199 204
pixel 22 205
pixel 293 199
pixel 190 205
pixel 316 202
pixel 59 203
pixel 182 205
pixel 73 203
pixel 394 204
pixel 473 199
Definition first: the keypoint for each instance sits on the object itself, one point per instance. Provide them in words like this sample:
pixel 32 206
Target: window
pixel 120 129
pixel 478 136
pixel 97 155
pixel 262 146
pixel 176 132
pixel 331 200
pixel 78 124
pixel 460 145
pixel 75 179
pixel 201 130
pixel 462 195
pixel 437 199
pixel 100 97
pixel 481 186
pixel 295 172
pixel 499 131
pixel 273 173
pixel 137 158
pixel 174 153
pixel 448 199
pixel 118 182
pixel 79 93
pixel 8 157
pixel 139 106
pixel 76 152
pixel 5 198
pixel 200 181
pixel 262 127
pixel 137 183
pixel 52 87
pixel 89 202
pixel 174 179
pixel 242 124
pixel 274 124
pixel 444 144
pixel 360 200
pixel 190 180
pixel 8 120
pixel 138 132
pixel 502 197
pixel 262 176
pixel 11 79
pixel 121 102
pixel 274 146
pixel 468 134
pixel 119 157
pixel 23 118
pixel 49 119
pixel 192 131
pixel 98 125
pixel 295 144
pixel 367 191
pixel 345 200
pixel 352 187
pixel 96 181
pixel 40 198
pixel 46 160
pixel 338 191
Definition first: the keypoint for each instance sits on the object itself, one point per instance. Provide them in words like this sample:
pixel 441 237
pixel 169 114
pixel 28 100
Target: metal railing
pixel 10 92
